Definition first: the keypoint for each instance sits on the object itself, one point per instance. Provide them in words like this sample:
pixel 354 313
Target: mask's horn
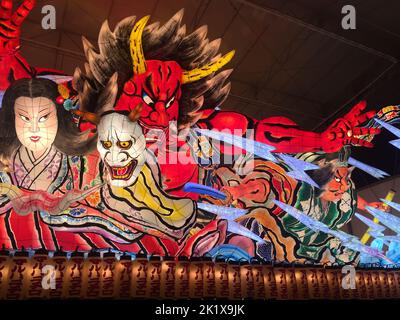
pixel 139 62
pixel 134 115
pixel 202 72
pixel 88 116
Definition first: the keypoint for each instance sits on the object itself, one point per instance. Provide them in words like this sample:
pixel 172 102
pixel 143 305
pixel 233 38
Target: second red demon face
pixel 158 89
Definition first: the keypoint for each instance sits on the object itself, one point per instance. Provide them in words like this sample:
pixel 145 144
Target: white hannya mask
pixel 121 145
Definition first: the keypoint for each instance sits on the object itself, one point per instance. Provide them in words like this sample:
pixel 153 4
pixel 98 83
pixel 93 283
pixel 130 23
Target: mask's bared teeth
pixel 123 173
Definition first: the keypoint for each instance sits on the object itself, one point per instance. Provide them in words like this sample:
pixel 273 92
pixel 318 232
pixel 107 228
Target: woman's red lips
pixel 35 138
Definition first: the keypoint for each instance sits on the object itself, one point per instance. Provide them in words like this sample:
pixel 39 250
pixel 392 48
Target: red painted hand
pixel 362 203
pixel 10 24
pixel 345 130
pixel 379 205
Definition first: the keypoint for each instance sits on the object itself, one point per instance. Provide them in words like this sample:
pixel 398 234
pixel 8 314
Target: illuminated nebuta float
pixel 119 200
pixel 143 219
pixel 130 210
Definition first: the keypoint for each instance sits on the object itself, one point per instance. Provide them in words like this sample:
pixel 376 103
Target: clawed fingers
pixel 5 9
pixel 345 130
pixel 361 143
pixel 364 117
pixel 22 12
pixel 355 111
pixel 87 192
pixel 366 131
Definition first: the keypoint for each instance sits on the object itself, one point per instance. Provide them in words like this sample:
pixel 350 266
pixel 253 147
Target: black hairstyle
pixel 323 175
pixel 69 139
pixel 165 42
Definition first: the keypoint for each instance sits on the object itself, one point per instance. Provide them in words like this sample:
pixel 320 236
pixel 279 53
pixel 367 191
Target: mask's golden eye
pixel 106 144
pixel 124 144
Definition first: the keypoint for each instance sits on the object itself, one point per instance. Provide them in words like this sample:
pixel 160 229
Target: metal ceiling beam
pixel 393 61
pixel 354 97
pixel 273 106
pixel 39 44
pixel 314 28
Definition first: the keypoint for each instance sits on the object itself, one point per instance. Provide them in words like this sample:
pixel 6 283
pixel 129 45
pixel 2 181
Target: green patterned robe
pixel 319 246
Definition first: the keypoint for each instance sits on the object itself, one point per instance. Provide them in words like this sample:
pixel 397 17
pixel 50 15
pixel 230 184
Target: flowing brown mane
pixel 166 42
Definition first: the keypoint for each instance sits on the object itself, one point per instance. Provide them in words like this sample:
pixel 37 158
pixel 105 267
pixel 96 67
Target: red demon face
pixel 159 90
pixel 157 84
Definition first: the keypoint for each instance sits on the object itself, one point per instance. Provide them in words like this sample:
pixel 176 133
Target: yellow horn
pixel 139 62
pixel 200 73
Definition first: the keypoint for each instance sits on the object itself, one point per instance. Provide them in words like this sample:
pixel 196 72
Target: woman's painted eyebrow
pixel 22 110
pixel 46 109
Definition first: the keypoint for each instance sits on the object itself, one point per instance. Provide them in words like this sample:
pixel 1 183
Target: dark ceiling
pixel 292 56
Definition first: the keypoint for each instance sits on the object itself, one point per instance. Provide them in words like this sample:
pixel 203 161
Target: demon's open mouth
pixel 154 133
pixel 122 173
pixel 152 126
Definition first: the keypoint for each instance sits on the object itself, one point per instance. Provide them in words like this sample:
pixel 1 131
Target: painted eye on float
pixel 337 179
pixel 124 144
pixel 106 144
pixel 171 101
pixel 146 98
pixel 26 119
pixel 44 118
